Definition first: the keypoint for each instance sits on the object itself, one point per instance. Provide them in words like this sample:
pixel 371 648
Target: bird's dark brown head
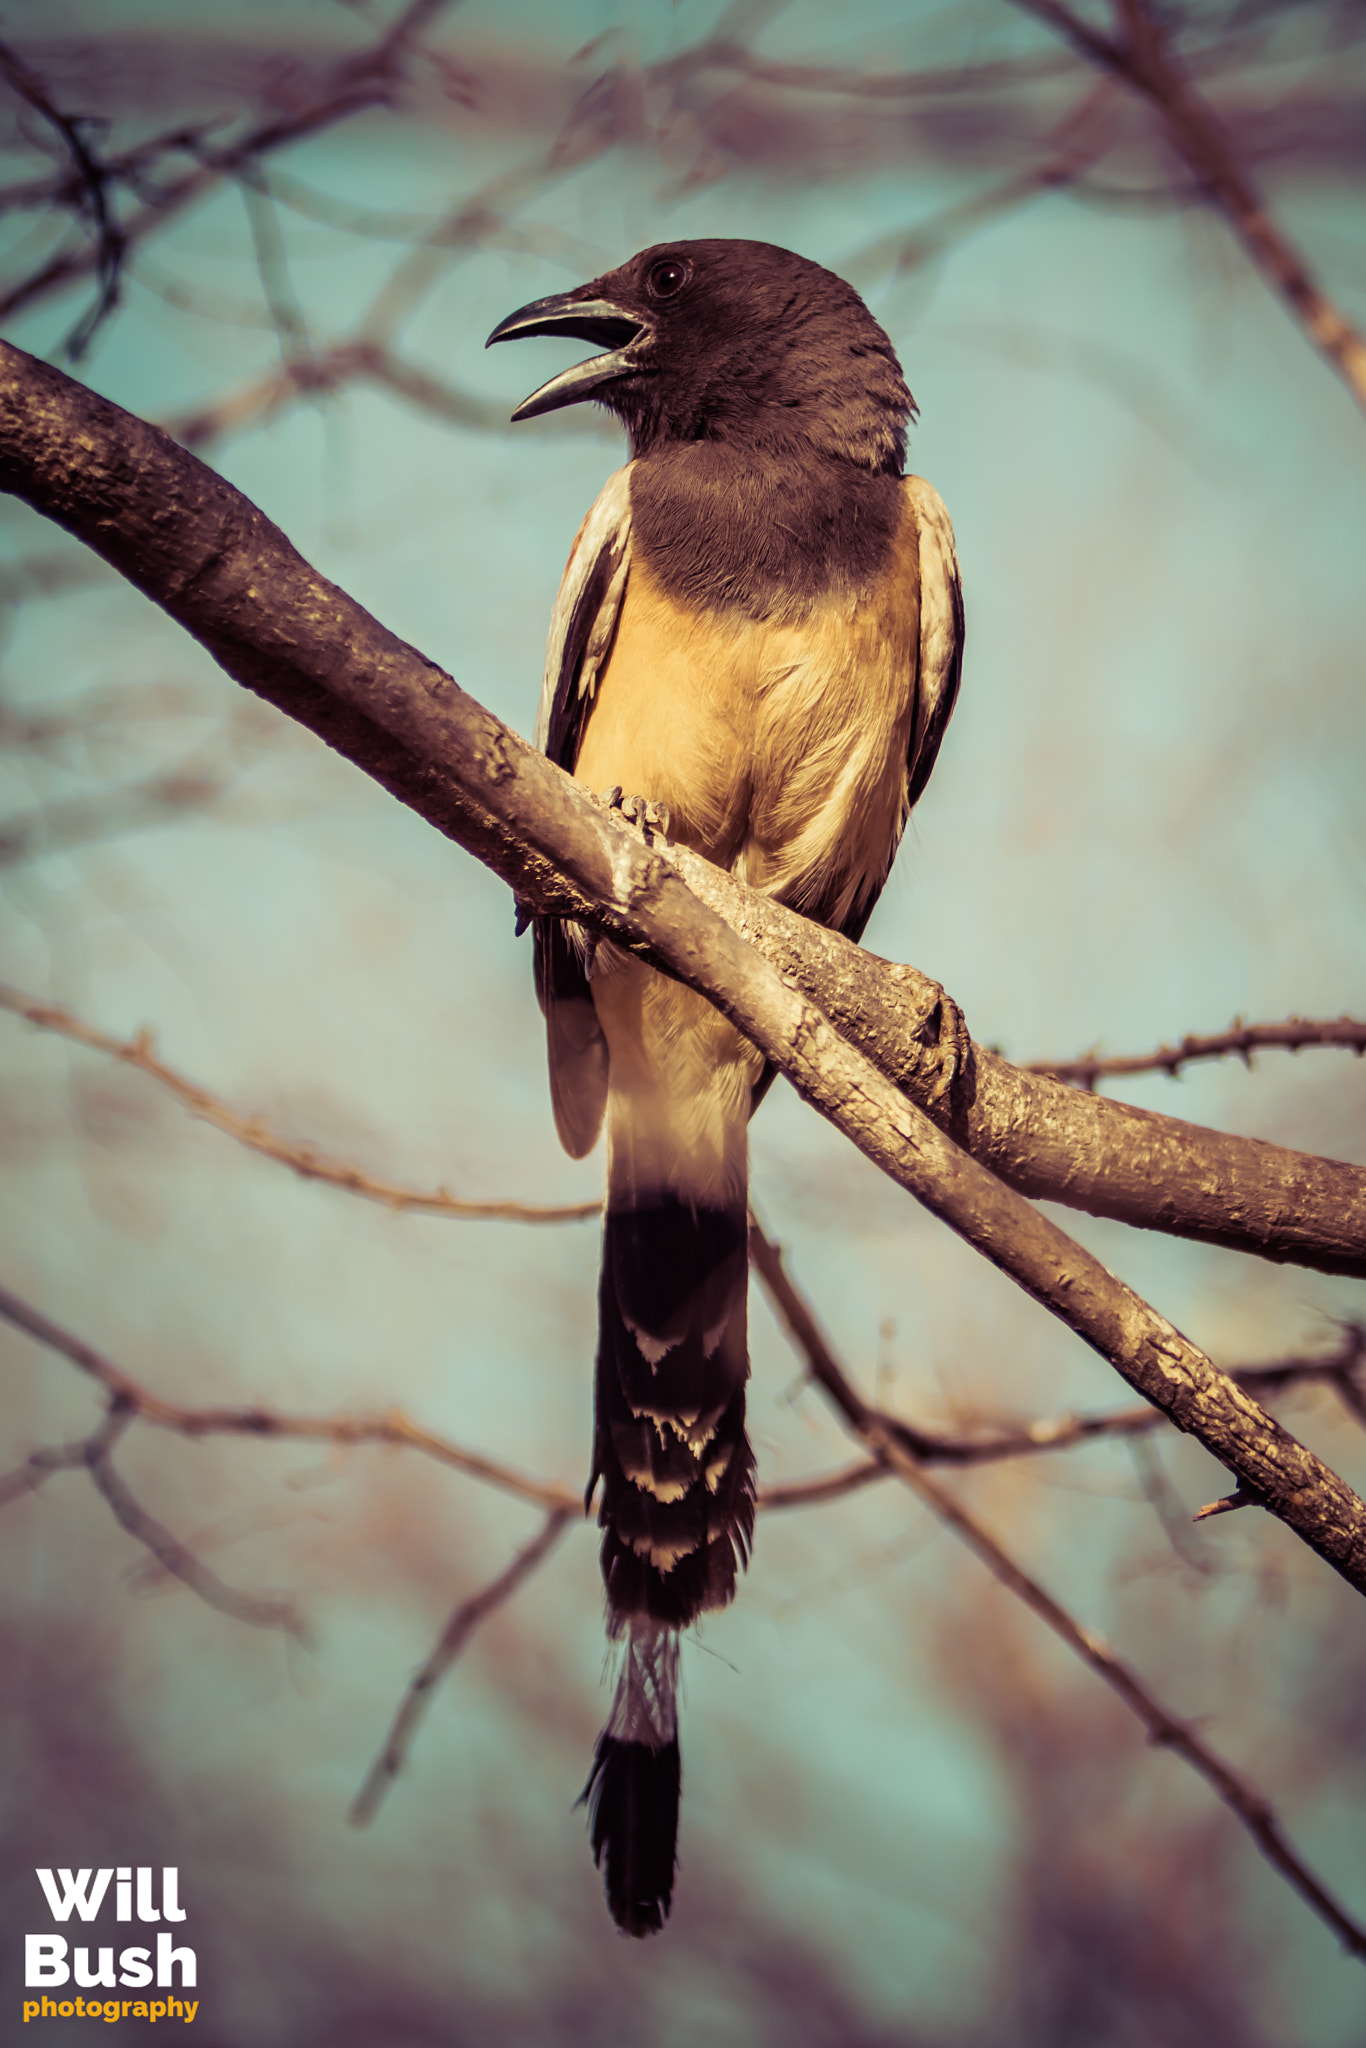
pixel 739 342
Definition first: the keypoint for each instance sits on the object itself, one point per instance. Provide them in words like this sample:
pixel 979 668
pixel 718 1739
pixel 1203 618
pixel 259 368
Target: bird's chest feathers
pixel 779 742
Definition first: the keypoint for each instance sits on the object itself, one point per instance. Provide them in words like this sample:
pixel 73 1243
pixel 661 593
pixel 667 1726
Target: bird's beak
pixel 587 319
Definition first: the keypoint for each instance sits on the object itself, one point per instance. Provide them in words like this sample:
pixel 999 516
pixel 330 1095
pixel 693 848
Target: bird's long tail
pixel 677 1508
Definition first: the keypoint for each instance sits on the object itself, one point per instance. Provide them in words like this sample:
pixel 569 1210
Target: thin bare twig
pixel 358 82
pixel 399 1432
pixel 1170 1510
pixel 886 1437
pixel 1338 1369
pixel 1242 1040
pixel 88 195
pixel 392 1428
pixel 261 1611
pixel 272 266
pixel 210 168
pixel 331 369
pixel 891 1446
pixel 1144 60
pixel 982 1446
pixel 95 1454
pixel 29 1476
pixel 1065 1432
pixel 257 1136
pixel 462 1624
pixel 1070 149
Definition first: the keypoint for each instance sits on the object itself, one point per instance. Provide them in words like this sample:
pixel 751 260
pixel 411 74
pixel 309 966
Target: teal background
pixel 907 1816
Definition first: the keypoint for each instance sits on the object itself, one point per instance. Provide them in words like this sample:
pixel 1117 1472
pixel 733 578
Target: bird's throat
pixel 767 534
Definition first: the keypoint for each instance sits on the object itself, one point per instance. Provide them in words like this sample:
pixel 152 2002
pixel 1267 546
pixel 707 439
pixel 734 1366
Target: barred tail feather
pixel 677 1509
pixel 670 1447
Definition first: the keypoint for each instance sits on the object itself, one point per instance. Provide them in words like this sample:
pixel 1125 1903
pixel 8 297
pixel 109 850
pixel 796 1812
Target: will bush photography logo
pixel 53 1965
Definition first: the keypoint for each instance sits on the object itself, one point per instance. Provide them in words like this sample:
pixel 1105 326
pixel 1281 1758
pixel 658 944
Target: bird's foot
pixel 650 819
pixel 949 1047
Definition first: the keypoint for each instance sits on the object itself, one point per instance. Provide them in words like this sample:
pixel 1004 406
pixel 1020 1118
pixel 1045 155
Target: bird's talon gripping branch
pixel 947 1059
pixel 650 819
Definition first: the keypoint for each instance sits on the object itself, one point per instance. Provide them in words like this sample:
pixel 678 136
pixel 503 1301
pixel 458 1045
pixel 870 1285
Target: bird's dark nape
pixel 632 1797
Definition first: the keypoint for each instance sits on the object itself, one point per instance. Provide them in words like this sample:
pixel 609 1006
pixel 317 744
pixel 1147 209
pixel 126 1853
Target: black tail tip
pixel 632 1795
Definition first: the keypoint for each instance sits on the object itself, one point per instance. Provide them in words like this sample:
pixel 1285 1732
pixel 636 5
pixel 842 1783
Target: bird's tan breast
pixel 780 747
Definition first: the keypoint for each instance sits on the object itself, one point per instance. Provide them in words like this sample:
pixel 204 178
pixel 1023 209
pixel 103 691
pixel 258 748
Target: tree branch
pixel 462 1624
pixel 893 1013
pixel 1145 63
pixel 88 185
pixel 95 1454
pixel 257 1136
pixel 357 82
pixel 888 1442
pixel 391 1428
pixel 218 566
pixel 1242 1039
pixel 258 1610
pixel 1047 1139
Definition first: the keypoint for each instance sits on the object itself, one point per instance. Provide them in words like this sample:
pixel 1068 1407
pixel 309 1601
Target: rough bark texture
pixel 219 567
pixel 1050 1140
pixel 204 553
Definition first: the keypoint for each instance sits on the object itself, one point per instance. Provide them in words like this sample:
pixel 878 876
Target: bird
pixel 755 651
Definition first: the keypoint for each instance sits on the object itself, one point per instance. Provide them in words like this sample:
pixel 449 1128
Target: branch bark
pixel 217 565
pixel 1047 1139
pixel 211 559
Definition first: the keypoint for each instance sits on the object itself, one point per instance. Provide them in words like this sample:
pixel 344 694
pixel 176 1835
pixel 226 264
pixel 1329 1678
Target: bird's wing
pixel 939 666
pixel 582 627
pixel 941 634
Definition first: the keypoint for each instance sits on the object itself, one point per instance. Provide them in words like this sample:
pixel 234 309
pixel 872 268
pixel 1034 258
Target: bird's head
pixel 728 341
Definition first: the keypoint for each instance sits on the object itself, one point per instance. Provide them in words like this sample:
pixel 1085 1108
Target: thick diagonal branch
pixel 1045 1138
pixel 218 566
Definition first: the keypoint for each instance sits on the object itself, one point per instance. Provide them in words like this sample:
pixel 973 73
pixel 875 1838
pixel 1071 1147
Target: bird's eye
pixel 667 278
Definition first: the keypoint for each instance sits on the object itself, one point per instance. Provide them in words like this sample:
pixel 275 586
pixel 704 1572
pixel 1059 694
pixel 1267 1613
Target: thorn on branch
pixel 1241 1497
pixel 1240 1040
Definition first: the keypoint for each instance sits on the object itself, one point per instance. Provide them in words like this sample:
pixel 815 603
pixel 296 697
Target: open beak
pixel 586 320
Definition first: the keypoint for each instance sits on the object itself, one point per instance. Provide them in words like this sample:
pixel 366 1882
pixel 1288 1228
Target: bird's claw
pixel 649 818
pixel 948 1056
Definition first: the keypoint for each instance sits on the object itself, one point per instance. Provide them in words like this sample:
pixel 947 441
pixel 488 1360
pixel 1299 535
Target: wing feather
pixel 582 627
pixel 941 634
pixel 939 665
